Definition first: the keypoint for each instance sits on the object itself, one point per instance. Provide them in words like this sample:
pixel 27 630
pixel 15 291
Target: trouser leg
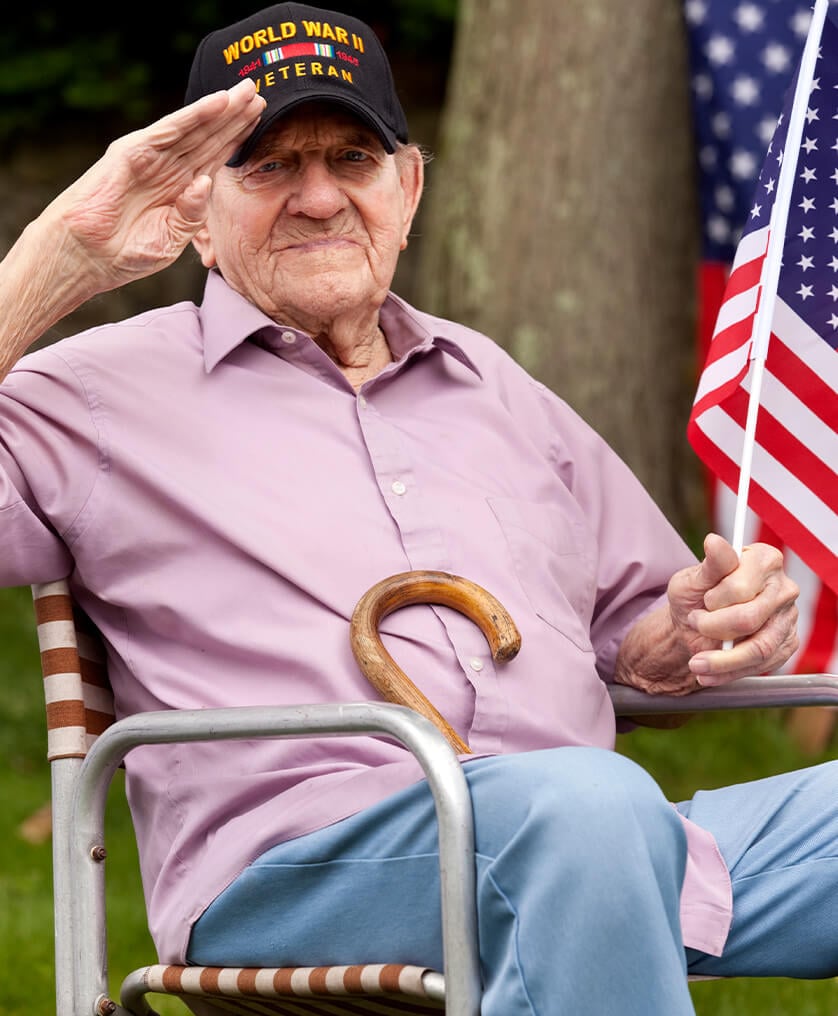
pixel 580 863
pixel 779 838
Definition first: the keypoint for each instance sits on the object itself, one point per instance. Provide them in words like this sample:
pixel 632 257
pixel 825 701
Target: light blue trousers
pixel 580 862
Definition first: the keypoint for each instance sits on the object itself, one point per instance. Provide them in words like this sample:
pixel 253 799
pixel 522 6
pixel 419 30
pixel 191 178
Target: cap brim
pixel 387 137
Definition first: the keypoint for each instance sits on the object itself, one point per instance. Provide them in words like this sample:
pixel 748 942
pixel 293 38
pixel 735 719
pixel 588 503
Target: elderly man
pixel 221 483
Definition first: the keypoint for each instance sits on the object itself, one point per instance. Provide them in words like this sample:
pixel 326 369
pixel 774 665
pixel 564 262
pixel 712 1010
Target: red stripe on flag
pixel 712 456
pixel 744 277
pixel 784 446
pixel 722 393
pixel 818 397
pixel 733 337
pixel 712 278
pixel 816 652
pixel 816 655
pixel 818 557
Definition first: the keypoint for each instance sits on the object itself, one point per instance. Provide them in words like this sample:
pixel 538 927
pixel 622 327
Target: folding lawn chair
pixel 86 746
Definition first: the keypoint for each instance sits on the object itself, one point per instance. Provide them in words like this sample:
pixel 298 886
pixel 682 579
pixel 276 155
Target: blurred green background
pixel 62 70
pixel 64 67
pixel 707 752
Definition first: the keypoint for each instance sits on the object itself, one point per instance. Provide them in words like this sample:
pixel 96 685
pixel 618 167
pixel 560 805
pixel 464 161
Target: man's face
pixel 310 228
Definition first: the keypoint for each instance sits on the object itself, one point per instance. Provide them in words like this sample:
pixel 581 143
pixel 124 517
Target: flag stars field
pixel 749 17
pixel 795 457
pixel 766 39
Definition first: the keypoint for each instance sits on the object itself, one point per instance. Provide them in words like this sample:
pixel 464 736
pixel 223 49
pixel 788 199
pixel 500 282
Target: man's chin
pixel 323 297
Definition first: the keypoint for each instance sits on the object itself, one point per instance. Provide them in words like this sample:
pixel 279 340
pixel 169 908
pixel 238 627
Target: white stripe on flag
pixel 810 585
pixel 796 416
pixel 771 475
pixel 806 344
pixel 752 246
pixel 725 509
pixel 737 308
pixel 721 371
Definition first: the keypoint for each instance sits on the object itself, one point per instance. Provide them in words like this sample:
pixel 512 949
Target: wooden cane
pixel 441 588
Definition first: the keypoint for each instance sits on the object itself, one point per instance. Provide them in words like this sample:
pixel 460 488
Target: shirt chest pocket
pixel 554 560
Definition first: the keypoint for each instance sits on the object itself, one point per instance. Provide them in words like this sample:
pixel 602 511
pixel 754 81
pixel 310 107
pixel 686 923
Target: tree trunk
pixel 562 220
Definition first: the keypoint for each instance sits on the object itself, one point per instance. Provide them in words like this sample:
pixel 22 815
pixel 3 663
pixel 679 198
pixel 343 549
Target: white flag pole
pixel 771 266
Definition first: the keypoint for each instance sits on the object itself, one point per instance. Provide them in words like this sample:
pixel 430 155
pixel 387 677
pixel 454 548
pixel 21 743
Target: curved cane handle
pixel 410 587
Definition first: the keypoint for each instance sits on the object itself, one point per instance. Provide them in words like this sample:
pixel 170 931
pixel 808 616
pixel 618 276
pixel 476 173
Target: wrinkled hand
pixel 677 648
pixel 135 210
pixel 749 600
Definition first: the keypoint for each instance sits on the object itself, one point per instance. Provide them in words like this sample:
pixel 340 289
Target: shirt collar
pixel 228 320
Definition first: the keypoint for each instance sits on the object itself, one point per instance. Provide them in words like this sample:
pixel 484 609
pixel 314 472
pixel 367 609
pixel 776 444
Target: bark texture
pixel 561 215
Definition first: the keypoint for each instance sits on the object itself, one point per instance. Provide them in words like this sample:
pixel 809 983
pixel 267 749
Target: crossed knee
pixel 581 802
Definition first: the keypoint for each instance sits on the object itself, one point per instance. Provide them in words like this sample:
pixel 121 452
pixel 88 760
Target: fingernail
pixel 698 665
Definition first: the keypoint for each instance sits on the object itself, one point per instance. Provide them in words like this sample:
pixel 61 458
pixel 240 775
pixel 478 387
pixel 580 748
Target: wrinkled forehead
pixel 316 124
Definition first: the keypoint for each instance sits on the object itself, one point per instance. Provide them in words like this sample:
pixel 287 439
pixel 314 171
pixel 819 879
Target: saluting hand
pixel 135 210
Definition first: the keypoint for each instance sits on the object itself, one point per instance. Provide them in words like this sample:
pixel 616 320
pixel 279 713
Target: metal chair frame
pixel 83 764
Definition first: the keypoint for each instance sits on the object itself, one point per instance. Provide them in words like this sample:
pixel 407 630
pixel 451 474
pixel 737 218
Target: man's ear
pixel 203 245
pixel 412 177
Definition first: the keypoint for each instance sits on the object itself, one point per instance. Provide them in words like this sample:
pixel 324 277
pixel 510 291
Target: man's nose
pixel 316 192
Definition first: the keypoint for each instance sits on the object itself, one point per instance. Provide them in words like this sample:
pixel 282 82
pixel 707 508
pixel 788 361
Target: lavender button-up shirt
pixel 220 498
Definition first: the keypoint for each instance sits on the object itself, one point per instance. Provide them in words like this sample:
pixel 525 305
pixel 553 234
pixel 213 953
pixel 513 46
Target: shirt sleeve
pixel 637 549
pixel 49 463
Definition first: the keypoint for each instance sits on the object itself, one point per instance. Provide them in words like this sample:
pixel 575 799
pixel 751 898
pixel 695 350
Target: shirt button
pixel 398 487
pixel 475 664
pixel 289 338
pixel 362 402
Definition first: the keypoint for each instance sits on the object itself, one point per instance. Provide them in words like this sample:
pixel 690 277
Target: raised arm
pixel 677 648
pixel 130 215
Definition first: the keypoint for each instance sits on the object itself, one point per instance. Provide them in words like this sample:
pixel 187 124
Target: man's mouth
pixel 320 243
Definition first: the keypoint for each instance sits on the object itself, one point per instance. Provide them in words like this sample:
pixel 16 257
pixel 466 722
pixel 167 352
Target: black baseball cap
pixel 296 54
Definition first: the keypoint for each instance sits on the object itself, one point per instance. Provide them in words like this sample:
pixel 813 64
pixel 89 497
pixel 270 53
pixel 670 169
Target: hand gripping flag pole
pixel 771 265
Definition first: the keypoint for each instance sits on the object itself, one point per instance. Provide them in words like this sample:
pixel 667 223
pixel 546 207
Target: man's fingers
pixel 234 110
pixel 740 620
pixel 736 621
pixel 720 560
pixel 190 211
pixel 759 570
pixel 201 136
pixel 214 139
pixel 760 653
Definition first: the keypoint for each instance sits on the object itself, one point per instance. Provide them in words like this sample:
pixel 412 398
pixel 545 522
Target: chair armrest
pixel 746 693
pixel 436 757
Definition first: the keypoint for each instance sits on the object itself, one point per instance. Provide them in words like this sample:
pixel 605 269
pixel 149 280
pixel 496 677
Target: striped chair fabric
pixel 374 990
pixel 79 707
pixel 79 702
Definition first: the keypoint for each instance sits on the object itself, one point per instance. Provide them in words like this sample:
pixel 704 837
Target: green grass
pixel 26 925
pixel 714 751
pixel 708 752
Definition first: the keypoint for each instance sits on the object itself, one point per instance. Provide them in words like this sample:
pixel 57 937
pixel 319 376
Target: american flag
pixel 743 60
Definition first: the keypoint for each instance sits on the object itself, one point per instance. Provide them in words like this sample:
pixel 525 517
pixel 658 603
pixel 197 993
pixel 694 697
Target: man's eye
pixel 354 155
pixel 269 167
